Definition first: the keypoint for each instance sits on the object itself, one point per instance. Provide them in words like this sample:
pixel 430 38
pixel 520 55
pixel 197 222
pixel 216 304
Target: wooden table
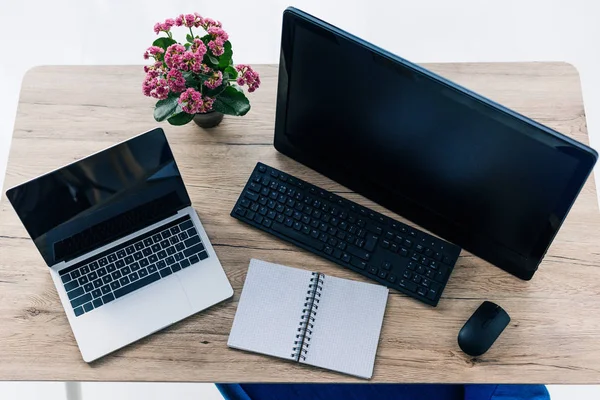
pixel 66 113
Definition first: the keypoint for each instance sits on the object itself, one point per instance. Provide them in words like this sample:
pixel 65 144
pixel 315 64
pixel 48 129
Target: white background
pixel 38 32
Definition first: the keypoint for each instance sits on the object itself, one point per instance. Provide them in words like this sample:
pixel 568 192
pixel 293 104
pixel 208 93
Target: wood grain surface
pixel 66 113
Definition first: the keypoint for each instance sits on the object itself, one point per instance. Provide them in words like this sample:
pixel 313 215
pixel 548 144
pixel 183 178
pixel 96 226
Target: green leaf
pixel 189 38
pixel 165 108
pixel 206 38
pixel 232 102
pixel 213 60
pixel 164 42
pixel 225 58
pixel 231 71
pixel 181 118
pixel 187 46
pixel 191 79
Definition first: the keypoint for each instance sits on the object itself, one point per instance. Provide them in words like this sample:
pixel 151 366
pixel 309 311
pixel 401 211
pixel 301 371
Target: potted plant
pixel 196 80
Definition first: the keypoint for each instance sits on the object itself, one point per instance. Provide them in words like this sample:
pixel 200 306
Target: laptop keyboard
pixel 132 265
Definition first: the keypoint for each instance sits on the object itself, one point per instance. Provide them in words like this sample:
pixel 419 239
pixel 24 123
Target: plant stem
pixel 191 32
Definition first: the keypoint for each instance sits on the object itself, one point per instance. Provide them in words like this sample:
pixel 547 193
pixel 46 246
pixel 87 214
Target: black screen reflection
pixel 100 198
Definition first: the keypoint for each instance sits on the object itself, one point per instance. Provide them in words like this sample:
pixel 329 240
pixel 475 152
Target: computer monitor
pixel 467 169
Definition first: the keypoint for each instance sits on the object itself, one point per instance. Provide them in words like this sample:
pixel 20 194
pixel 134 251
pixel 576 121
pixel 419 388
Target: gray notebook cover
pixel 347 319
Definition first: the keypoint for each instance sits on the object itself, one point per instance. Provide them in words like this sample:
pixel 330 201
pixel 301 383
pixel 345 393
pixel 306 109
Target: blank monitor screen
pixel 457 164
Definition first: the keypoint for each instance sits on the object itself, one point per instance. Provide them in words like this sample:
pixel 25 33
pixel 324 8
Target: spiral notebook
pixel 310 318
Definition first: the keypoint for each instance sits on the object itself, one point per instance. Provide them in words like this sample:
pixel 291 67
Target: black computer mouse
pixel 482 329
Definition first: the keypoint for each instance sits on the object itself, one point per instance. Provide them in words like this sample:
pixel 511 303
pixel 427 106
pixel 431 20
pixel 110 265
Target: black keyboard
pixel 355 237
pixel 132 265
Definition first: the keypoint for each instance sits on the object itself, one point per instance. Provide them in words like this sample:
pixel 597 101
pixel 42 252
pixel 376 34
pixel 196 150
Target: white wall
pixel 117 32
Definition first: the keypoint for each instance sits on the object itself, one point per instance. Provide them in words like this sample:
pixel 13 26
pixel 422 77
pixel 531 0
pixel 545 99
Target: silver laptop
pixel 126 250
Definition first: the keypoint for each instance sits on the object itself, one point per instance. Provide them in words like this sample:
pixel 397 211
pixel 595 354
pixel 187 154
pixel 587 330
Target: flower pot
pixel 208 120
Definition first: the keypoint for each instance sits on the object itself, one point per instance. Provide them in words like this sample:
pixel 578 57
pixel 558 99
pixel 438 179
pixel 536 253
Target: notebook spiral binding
pixel 309 313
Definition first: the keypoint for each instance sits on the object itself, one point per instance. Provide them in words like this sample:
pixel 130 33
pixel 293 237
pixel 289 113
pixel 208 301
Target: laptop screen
pixel 462 168
pixel 101 198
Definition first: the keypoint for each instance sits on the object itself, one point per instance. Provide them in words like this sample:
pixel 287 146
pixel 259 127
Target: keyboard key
pixel 298 236
pixel 170 260
pixel 179 256
pixel 105 289
pixel 65 278
pixel 88 307
pixel 129 259
pixel 192 232
pixel 71 285
pixel 203 255
pixel 85 270
pixel 166 234
pixel 183 235
pixel 147 251
pixel 373 270
pixel 103 262
pixel 124 280
pixel 358 252
pixel 143 272
pixel 422 291
pixel 97 283
pixel 108 298
pixel 165 272
pixel 193 250
pixel 174 240
pixel 136 285
pixel 184 263
pixel 382 274
pixel 408 285
pixel 78 311
pixel 81 300
pixel 164 244
pixel 111 268
pixel 176 267
pixel 171 250
pixel 194 259
pixel 75 274
pixel 186 225
pixel 133 277
pixel 392 278
pixel 75 293
pixel 112 258
pixel 175 230
pixel 97 303
pixel 102 271
pixel 138 255
pixel 144 263
pixel 148 242
pixel 153 258
pixel 115 285
pixel 88 287
pixel 126 270
pixel 96 293
pixel 358 263
pixel 346 257
pixel 152 268
pixel 156 247
pixel 107 279
pixel 162 254
pixel 386 265
pixel 161 264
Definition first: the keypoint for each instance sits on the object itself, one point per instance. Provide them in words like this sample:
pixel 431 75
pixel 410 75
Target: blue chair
pixel 260 391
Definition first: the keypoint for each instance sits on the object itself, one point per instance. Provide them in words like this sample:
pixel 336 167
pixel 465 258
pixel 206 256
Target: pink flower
pixel 199 47
pixel 155 70
pixel 176 81
pixel 208 22
pixel 169 23
pixel 248 76
pixel 154 51
pixel 207 104
pixel 157 28
pixel 155 87
pixel 216 48
pixel 218 33
pixel 179 20
pixel 214 81
pixel 189 20
pixel 174 55
pixel 205 69
pixel 191 101
pixel 199 20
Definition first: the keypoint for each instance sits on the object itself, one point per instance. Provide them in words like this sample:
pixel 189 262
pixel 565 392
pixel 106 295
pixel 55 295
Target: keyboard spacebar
pixel 300 237
pixel 136 285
